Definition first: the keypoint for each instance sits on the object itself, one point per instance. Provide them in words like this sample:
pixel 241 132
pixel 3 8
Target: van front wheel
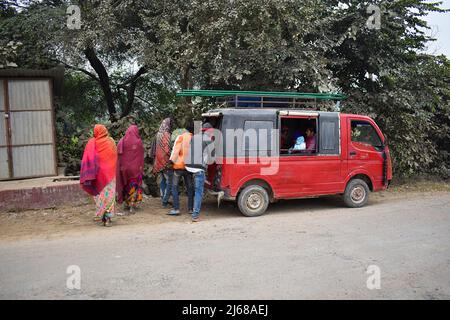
pixel 356 193
pixel 253 201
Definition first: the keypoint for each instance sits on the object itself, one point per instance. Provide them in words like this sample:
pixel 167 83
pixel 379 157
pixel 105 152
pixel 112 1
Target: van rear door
pixel 214 171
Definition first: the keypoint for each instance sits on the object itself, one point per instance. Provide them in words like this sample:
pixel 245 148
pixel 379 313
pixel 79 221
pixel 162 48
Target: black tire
pixel 253 201
pixel 356 193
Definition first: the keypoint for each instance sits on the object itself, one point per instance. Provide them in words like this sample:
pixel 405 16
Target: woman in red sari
pixel 98 172
pixel 130 168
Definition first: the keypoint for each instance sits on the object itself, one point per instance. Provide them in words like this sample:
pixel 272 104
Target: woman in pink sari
pixel 130 168
pixel 98 172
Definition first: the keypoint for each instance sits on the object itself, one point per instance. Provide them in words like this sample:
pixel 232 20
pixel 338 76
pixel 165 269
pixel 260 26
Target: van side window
pixel 298 136
pixel 216 122
pixel 363 132
pixel 257 135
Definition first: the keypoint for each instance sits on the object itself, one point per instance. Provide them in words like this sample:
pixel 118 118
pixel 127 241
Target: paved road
pixel 303 249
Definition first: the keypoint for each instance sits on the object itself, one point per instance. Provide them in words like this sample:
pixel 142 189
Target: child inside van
pixel 299 145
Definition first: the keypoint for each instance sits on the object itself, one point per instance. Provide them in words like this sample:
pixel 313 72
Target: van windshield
pixel 363 132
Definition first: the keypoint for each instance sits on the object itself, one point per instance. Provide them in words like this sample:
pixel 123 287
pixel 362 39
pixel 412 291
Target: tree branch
pixel 130 87
pixel 90 74
pixel 130 99
pixel 140 72
pixel 143 100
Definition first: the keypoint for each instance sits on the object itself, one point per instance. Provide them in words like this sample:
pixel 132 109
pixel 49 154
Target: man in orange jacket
pixel 177 157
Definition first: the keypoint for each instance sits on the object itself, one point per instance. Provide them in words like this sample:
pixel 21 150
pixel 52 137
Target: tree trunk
pixel 103 78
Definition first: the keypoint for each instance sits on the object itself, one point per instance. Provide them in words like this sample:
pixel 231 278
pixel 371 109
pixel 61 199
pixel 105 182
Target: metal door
pixel 28 137
pixel 4 170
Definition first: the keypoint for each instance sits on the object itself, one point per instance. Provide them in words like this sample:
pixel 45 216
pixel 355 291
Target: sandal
pixel 107 223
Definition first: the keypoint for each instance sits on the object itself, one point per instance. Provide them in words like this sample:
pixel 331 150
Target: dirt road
pixel 302 249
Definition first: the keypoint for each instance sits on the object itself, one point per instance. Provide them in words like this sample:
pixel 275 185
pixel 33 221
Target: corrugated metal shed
pixel 27 122
pixel 56 74
pixel 4 171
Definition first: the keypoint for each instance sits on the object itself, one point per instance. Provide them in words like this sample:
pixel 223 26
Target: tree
pixel 102 49
pixel 138 53
pixel 241 44
pixel 387 78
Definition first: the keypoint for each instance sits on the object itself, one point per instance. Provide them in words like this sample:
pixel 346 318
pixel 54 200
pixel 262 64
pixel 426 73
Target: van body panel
pixel 306 175
pixel 297 176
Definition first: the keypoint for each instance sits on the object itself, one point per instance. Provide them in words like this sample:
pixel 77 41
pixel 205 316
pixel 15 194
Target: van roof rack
pixel 261 99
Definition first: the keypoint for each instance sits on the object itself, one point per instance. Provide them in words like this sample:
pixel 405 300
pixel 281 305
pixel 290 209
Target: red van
pixel 268 153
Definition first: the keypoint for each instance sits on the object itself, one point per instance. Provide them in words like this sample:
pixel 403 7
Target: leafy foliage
pixel 130 57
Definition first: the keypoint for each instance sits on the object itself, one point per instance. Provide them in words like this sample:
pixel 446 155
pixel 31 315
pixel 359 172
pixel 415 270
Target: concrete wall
pixel 42 197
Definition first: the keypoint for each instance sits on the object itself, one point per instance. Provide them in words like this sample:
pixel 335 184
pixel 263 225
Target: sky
pixel 440 29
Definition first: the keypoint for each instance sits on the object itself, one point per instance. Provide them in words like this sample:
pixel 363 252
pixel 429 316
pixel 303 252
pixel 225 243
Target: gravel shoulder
pixel 59 222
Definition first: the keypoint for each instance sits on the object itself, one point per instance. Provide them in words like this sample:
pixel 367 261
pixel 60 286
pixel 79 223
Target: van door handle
pixel 353 153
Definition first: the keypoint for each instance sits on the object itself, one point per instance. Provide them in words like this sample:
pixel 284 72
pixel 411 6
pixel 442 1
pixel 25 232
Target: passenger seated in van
pixel 311 139
pixel 284 137
pixel 299 145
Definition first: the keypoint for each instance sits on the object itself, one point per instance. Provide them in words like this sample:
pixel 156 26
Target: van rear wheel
pixel 356 193
pixel 253 201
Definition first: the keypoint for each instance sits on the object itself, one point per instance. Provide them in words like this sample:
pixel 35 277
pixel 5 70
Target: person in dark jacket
pixel 199 156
